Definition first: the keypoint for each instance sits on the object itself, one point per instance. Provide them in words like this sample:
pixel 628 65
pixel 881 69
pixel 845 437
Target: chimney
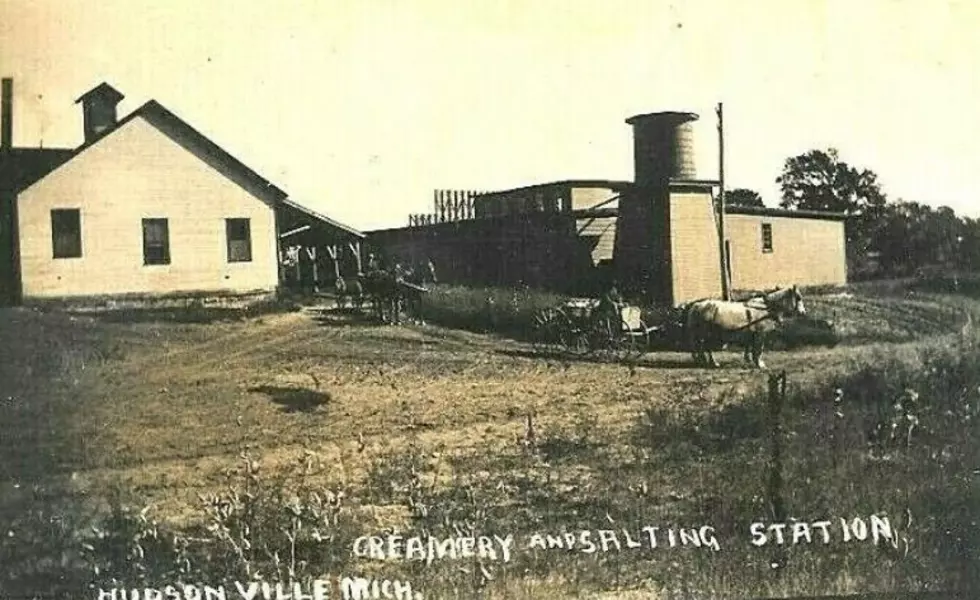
pixel 7 114
pixel 99 110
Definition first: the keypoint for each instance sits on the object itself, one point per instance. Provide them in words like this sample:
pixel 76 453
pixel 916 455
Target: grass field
pixel 427 430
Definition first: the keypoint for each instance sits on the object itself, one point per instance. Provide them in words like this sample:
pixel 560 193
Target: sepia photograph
pixel 501 299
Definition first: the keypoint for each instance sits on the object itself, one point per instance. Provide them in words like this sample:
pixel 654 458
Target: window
pixel 239 240
pixel 767 237
pixel 156 242
pixel 66 233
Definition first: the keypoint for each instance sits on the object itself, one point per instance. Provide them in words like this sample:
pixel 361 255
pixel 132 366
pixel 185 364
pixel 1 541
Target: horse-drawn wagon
pixel 589 326
pixel 586 326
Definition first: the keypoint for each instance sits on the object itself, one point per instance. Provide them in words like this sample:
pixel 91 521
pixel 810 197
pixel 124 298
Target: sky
pixel 361 108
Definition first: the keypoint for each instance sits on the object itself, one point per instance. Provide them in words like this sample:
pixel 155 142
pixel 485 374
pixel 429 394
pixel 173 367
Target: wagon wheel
pixel 608 338
pixel 621 345
pixel 639 342
pixel 551 329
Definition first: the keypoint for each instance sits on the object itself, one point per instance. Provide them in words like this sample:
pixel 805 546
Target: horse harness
pixel 769 314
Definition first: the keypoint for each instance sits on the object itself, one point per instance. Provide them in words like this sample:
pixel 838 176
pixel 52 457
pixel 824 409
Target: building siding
pixel 694 254
pixel 138 172
pixel 600 233
pixel 673 240
pixel 589 197
pixel 804 252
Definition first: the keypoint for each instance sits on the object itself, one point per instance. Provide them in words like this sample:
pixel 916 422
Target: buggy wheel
pixel 551 330
pixel 639 342
pixel 622 346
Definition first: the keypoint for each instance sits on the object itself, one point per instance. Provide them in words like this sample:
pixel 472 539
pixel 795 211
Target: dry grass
pixel 161 411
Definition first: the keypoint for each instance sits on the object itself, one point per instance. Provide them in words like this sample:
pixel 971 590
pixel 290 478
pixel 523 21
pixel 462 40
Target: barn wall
pixel 695 259
pixel 804 252
pixel 539 250
pixel 134 173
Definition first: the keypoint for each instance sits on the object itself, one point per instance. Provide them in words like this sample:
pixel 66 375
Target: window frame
pixel 165 258
pixel 766 233
pixel 76 251
pixel 229 225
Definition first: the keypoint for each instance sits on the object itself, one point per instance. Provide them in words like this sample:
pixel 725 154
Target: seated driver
pixel 610 306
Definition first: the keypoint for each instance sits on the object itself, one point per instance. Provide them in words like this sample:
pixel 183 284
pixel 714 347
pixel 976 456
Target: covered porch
pixel 314 250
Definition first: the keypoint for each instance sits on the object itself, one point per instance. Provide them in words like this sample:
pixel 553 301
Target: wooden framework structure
pixel 315 250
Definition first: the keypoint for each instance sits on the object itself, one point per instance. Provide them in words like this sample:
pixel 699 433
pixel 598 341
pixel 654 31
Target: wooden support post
pixel 355 248
pixel 725 269
pixel 332 253
pixel 311 253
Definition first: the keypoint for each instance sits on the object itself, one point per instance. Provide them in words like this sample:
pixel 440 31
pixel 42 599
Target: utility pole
pixel 722 244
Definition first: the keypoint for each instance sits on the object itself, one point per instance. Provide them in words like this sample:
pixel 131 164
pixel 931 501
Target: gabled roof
pixel 155 113
pixel 103 91
pixel 321 217
pixel 180 131
pixel 20 167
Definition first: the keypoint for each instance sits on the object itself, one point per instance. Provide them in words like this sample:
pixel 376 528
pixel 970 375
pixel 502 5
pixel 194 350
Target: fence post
pixel 777 399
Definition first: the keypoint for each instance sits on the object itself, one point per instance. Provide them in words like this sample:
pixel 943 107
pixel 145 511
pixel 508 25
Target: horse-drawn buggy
pixel 587 326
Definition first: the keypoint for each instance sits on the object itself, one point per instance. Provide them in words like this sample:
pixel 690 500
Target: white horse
pixel 717 322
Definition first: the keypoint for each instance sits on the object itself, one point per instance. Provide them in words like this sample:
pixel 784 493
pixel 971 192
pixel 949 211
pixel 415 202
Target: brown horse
pixel 349 288
pixel 714 323
pixel 381 286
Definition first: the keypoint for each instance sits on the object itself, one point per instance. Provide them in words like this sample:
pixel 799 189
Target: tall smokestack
pixel 7 114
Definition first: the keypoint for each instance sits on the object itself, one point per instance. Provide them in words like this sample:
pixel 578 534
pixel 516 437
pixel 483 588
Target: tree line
pixel 885 238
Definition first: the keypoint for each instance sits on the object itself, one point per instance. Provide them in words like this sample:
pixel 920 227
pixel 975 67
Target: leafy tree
pixel 969 245
pixel 913 235
pixel 743 197
pixel 819 180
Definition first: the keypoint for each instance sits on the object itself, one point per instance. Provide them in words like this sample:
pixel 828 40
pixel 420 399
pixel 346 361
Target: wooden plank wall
pixel 540 250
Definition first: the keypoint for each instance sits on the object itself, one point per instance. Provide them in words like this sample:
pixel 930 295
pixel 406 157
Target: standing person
pixel 373 263
pixel 609 309
pixel 431 268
